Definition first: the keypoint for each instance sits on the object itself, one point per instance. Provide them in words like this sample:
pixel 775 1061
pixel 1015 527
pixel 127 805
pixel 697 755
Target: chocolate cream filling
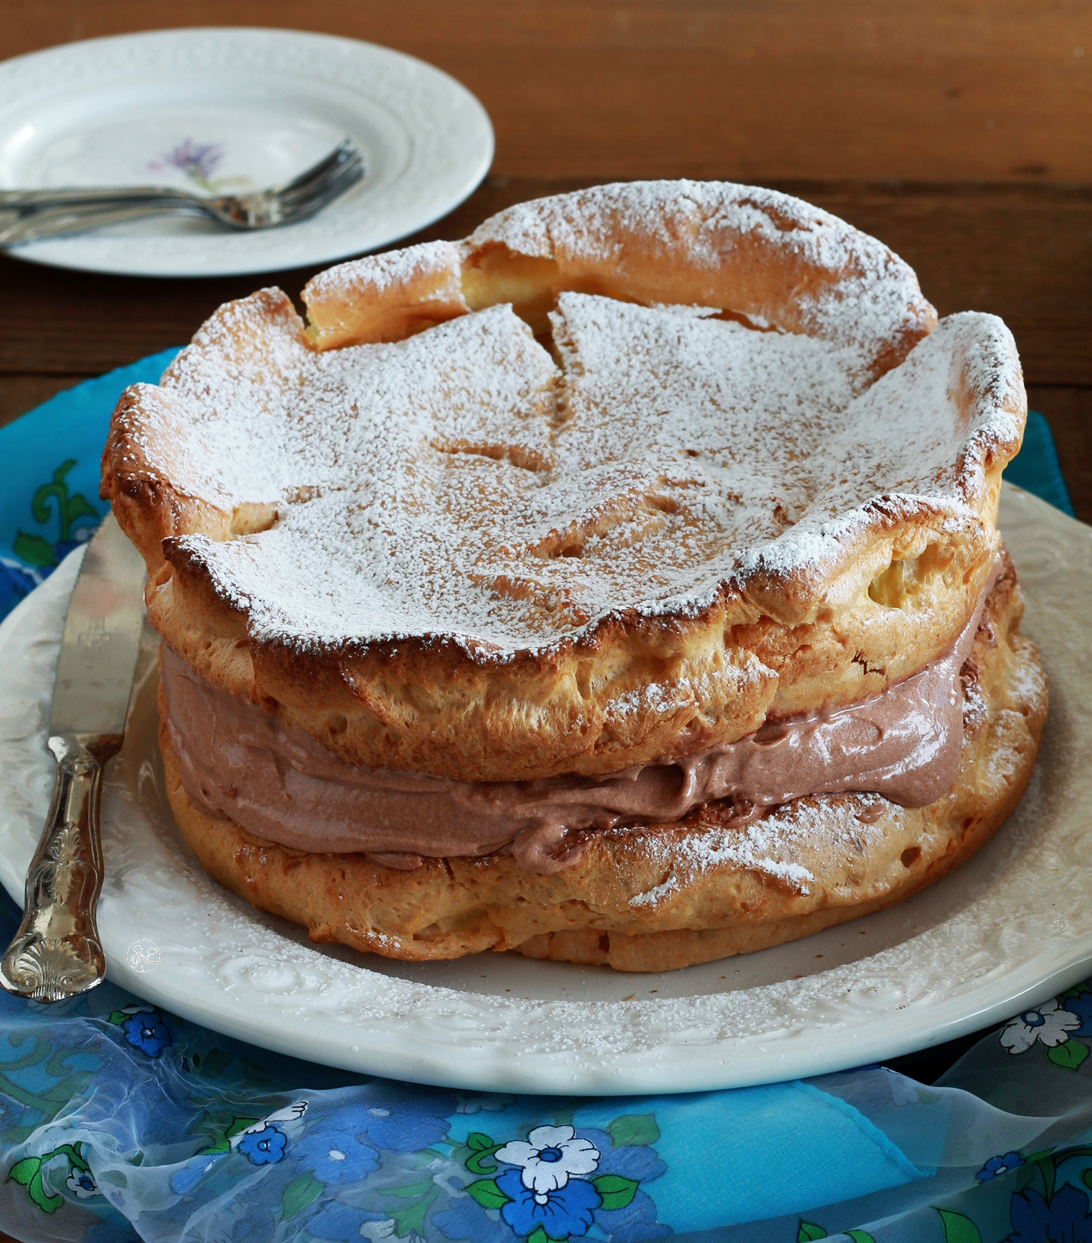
pixel 277 782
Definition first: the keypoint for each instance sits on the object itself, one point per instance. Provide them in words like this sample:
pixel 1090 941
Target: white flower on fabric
pixel 377 1231
pixel 81 1182
pixel 1050 1025
pixel 290 1113
pixel 549 1158
pixel 491 1102
pixel 255 1128
pixel 903 1091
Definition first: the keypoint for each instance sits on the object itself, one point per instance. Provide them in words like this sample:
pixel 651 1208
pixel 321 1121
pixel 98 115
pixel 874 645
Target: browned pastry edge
pixel 892 597
pixel 452 907
pixel 430 710
pixel 778 258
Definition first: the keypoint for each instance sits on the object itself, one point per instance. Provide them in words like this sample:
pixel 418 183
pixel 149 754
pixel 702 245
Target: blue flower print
pixel 263 1146
pixel 465 1222
pixel 476 1103
pixel 996 1166
pixel 254 1227
pixel 637 1161
pixel 81 1182
pixel 1063 1219
pixel 186 1177
pixel 561 1212
pixel 147 1032
pixel 113 1229
pixel 10 1112
pixel 16 581
pixel 64 546
pixel 344 1223
pixel 393 1125
pixel 550 1155
pixel 335 1156
pixel 1081 1006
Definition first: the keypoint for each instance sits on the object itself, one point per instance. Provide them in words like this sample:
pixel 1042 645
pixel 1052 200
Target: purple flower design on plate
pixel 197 160
pixel 264 1146
pixel 147 1032
pixel 996 1166
pixel 567 1210
pixel 1063 1219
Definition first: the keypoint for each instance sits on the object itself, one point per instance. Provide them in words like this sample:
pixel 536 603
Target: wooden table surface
pixel 957 131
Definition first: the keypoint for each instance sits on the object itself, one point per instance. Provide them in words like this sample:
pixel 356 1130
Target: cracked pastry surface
pixel 487 555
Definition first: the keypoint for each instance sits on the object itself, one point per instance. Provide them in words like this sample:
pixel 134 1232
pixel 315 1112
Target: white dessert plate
pixel 1007 929
pixel 221 110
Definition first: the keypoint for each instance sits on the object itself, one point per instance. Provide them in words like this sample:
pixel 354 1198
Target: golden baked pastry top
pixel 616 477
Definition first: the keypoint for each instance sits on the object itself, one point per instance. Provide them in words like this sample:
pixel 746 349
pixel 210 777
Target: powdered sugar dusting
pixel 462 483
pixel 378 273
pixel 772 845
pixel 657 893
pixel 875 297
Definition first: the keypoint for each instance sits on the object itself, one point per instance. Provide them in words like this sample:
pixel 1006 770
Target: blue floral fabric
pixel 50 500
pixel 121 1122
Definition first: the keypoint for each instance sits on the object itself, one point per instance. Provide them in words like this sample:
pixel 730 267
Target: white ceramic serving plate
pixel 219 110
pixel 1006 930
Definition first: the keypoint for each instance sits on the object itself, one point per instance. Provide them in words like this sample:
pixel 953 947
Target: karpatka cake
pixel 621 585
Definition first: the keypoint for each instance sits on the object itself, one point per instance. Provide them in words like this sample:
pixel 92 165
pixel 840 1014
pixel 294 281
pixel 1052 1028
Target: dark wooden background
pixel 958 131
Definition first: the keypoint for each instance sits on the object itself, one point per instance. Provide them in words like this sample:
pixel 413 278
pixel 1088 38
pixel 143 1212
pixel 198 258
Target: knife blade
pixel 56 952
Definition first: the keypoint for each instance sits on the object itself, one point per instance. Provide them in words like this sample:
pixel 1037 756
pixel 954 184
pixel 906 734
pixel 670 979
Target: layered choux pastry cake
pixel 620 585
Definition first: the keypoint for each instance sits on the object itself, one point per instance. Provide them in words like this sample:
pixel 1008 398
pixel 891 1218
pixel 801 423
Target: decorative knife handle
pixel 56 953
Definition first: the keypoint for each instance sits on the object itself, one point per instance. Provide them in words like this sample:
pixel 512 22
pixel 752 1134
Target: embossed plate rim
pixel 972 950
pixel 445 132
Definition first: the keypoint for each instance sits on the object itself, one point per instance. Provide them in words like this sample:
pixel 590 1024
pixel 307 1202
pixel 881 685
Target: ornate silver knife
pixel 56 953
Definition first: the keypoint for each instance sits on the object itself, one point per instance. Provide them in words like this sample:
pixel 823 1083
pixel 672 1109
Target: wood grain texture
pixel 20 393
pixel 751 89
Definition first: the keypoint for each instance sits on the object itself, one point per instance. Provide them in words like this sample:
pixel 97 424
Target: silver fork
pixel 29 215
